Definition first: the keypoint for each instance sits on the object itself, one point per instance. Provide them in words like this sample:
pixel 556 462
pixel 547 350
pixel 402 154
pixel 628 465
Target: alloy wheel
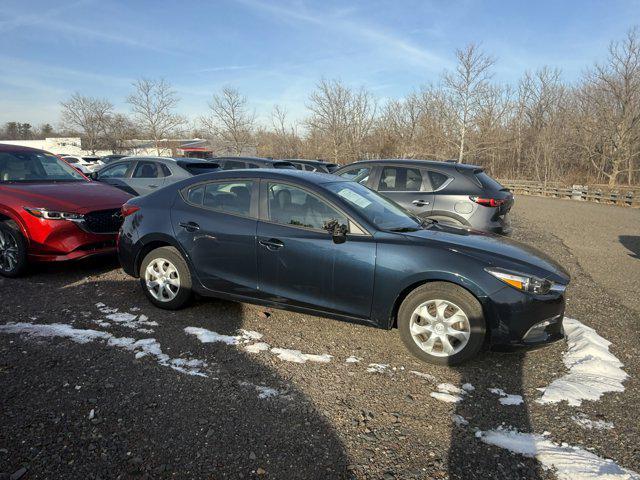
pixel 162 280
pixel 8 251
pixel 440 328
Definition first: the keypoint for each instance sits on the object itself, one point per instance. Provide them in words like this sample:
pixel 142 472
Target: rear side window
pixel 229 197
pixel 400 179
pixel 284 165
pixel 487 182
pixel 437 179
pixel 148 170
pixel 195 195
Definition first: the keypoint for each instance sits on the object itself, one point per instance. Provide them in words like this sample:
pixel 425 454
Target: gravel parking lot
pixel 191 404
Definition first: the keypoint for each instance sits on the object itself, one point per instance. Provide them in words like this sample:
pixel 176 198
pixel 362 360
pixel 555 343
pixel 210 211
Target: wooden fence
pixel 624 196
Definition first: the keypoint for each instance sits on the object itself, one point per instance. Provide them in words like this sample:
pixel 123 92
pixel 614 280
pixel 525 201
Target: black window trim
pixel 264 208
pixel 253 206
pixel 446 182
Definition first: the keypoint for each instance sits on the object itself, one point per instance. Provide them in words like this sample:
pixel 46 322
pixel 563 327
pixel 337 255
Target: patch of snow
pixel 297 356
pixel 208 336
pixel 352 359
pixel 459 420
pixel 507 398
pixel 257 347
pixel 264 392
pixel 141 348
pixel 426 376
pixel 250 335
pixel 450 388
pixel 446 397
pixel 377 367
pixel 586 422
pixel 123 318
pixel 593 370
pixel 467 387
pixel 135 309
pixel 92 414
pixel 569 463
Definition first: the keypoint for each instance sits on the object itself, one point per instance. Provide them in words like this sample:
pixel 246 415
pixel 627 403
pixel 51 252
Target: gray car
pixel 313 165
pixel 142 175
pixel 445 191
pixel 238 163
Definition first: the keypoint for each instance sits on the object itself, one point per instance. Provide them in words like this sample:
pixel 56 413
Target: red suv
pixel 50 212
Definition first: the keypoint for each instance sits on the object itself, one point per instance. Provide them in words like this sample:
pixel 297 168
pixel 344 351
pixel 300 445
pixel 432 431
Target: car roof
pixel 249 159
pixel 7 147
pixel 276 174
pixel 451 164
pixel 306 160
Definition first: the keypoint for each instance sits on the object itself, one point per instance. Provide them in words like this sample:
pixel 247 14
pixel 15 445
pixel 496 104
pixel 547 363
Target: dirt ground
pixel 100 410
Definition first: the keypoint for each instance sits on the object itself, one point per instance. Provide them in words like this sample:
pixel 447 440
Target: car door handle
pixel 190 226
pixel 271 244
pixel 152 186
pixel 420 203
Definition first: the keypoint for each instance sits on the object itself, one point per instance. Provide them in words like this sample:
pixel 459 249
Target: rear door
pixel 215 223
pixel 117 175
pixel 408 186
pixel 147 176
pixel 298 262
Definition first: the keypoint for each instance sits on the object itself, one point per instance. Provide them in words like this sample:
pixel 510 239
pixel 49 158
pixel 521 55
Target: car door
pixel 215 223
pixel 116 175
pixel 148 175
pixel 408 186
pixel 298 262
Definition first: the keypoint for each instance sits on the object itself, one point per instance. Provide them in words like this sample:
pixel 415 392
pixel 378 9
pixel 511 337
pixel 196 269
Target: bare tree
pixel 88 116
pixel 466 85
pixel 119 130
pixel 230 119
pixel 153 104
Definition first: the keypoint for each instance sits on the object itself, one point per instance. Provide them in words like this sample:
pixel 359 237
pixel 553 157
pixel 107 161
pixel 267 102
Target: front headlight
pixel 53 215
pixel 525 283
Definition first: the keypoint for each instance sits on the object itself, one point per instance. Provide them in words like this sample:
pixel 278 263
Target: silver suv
pixel 445 191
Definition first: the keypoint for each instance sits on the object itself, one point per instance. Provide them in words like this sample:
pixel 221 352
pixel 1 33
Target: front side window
pixel 289 205
pixel 400 179
pixel 228 197
pixel 148 170
pixel 117 171
pixel 35 167
pixel 357 174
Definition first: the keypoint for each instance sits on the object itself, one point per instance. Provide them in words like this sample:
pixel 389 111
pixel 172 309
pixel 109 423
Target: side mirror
pixel 93 176
pixel 338 232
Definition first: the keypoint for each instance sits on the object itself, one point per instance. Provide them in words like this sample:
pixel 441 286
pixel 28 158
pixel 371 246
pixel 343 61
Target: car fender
pixel 17 219
pixel 156 238
pixel 447 214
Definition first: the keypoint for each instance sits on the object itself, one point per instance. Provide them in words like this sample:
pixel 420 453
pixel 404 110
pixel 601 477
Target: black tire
pixel 9 232
pixel 184 292
pixel 456 295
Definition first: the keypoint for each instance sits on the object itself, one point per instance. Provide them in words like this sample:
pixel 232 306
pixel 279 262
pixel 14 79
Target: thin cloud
pixel 373 35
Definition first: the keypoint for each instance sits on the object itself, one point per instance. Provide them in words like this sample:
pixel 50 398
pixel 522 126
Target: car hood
pixel 495 250
pixel 77 197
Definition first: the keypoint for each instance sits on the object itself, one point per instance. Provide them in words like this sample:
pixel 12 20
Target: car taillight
pixel 127 210
pixel 487 202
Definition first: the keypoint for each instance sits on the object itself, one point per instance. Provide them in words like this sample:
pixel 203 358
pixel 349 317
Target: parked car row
pixel 319 243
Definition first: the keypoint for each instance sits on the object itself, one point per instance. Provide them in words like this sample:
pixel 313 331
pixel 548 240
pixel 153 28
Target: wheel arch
pixel 448 214
pixel 150 243
pixel 9 216
pixel 445 277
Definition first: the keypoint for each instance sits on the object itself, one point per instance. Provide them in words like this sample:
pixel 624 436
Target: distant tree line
pixel 540 128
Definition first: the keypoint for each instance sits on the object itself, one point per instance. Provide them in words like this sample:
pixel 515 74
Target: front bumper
pixel 518 320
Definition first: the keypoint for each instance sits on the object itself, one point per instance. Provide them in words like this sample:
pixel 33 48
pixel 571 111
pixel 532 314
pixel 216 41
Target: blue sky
pixel 275 52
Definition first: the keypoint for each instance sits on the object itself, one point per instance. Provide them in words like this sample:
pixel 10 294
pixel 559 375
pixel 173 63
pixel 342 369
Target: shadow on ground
pixel 631 243
pixel 149 421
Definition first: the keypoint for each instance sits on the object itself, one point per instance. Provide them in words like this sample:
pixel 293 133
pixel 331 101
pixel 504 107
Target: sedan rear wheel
pixel 165 278
pixel 13 250
pixel 442 323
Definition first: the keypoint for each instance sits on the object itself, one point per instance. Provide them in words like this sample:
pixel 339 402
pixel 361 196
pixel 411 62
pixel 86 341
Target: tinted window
pixel 233 165
pixel 357 174
pixel 437 179
pixel 252 165
pixel 229 197
pixel 310 168
pixel 117 171
pixel 290 205
pixel 35 166
pixel 487 182
pixel 148 170
pixel 284 165
pixel 195 195
pixel 400 179
pixel 71 159
pixel 200 168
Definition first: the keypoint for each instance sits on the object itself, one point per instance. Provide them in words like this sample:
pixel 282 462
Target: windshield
pixel 35 167
pixel 383 213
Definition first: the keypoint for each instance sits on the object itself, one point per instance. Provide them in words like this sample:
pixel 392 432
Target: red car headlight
pixel 54 215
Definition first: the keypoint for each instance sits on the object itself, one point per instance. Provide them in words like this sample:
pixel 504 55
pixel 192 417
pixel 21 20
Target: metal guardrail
pixel 624 196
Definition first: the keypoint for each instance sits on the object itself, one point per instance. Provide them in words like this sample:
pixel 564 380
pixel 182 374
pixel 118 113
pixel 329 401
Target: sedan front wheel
pixel 442 323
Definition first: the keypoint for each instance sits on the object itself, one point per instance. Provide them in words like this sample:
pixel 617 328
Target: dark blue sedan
pixel 318 244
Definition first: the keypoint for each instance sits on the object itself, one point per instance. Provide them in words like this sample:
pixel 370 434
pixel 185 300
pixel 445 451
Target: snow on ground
pixel 446 397
pixel 257 347
pixel 141 348
pixel 426 376
pixel 507 398
pixel 593 370
pixel 125 319
pixel 569 463
pixel 264 392
pixel 209 336
pixel 297 356
pixel 585 422
pixel 377 367
pixel 449 393
pixel 459 420
pixel 352 359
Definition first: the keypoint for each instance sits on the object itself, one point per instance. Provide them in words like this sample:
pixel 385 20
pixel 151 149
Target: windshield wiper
pixel 404 229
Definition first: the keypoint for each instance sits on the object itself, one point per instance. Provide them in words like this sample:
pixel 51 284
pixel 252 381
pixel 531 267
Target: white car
pixel 85 164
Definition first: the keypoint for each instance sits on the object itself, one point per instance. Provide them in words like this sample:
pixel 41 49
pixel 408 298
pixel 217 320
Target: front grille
pixel 103 221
